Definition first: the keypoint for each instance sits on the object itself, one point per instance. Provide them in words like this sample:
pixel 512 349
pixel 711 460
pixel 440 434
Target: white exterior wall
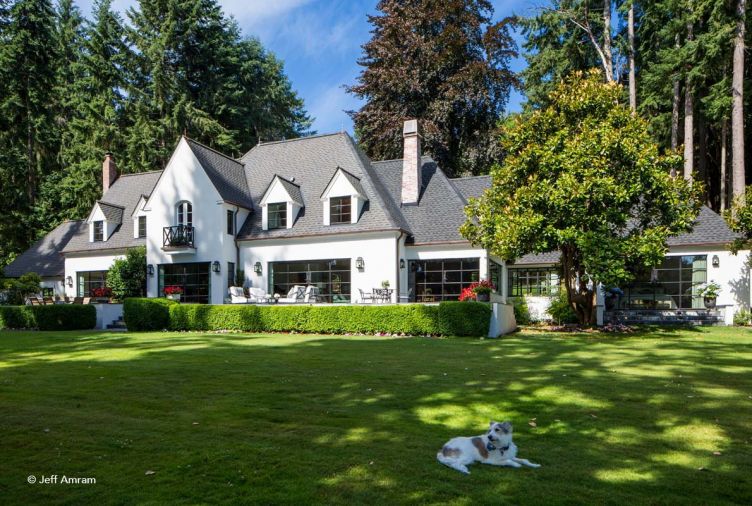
pixel 439 251
pixel 378 250
pixel 57 285
pixel 185 180
pixel 77 262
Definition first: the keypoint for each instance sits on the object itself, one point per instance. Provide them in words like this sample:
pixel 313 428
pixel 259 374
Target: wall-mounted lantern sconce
pixel 716 261
pixel 360 264
pixel 150 270
pixel 402 263
pixel 257 268
pixel 215 266
pixel 69 281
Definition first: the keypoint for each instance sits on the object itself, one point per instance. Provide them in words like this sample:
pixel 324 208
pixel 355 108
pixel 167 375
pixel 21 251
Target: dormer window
pixel 184 213
pixel 340 210
pixel 277 215
pixel 98 231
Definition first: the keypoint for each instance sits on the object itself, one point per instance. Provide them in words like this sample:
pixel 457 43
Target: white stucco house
pixel 317 211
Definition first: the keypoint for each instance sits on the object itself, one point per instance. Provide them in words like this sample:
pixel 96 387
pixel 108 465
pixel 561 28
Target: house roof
pixel 312 161
pixel 473 186
pixel 292 189
pixel 125 193
pixel 112 212
pixel 44 257
pixel 227 174
pixel 441 209
pixel 354 182
pixel 710 228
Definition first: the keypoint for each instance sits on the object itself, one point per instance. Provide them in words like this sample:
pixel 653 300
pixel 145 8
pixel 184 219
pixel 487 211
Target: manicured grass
pixel 234 418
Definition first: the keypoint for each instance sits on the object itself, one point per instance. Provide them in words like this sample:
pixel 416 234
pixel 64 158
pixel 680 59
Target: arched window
pixel 184 212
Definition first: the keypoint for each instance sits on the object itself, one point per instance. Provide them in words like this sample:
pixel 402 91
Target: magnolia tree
pixel 582 176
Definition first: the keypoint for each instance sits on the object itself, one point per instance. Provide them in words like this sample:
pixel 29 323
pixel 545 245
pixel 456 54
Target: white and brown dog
pixel 494 448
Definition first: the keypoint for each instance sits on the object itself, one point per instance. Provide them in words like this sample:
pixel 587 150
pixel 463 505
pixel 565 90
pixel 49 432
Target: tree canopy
pixel 583 176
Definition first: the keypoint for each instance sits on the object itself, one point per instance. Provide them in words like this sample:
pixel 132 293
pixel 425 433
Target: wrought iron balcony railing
pixel 179 236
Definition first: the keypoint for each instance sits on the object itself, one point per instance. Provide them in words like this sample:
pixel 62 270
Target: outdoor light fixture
pixel 257 268
pixel 402 263
pixel 215 266
pixel 69 281
pixel 359 264
pixel 716 261
pixel 150 270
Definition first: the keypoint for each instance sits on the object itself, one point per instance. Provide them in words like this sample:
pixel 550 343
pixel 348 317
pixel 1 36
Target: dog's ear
pixel 491 424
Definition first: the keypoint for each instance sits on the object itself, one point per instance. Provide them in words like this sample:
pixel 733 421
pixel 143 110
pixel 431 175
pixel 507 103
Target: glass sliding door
pixel 194 278
pixel 672 285
pixel 88 281
pixel 444 279
pixel 331 277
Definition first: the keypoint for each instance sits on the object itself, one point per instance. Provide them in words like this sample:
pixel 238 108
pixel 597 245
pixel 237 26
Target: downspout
pixel 399 274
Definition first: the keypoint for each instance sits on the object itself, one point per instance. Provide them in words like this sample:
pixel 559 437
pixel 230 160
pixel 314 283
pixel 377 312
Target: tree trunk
pixel 608 61
pixel 632 79
pixel 675 112
pixel 689 127
pixel 702 157
pixel 724 140
pixel 737 105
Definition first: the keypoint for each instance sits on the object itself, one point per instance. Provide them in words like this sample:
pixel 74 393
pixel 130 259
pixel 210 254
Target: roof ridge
pixel 286 180
pixel 401 159
pixel 139 173
pixel 189 140
pixel 110 204
pixel 305 137
pixel 469 177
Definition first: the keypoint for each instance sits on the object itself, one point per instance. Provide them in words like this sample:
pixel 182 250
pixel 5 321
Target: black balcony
pixel 178 237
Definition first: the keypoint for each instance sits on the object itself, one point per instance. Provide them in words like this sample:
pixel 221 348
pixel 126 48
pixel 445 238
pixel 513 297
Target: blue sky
pixel 320 42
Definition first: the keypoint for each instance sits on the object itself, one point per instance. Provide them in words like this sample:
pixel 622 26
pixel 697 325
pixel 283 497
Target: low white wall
pixel 107 313
pixel 502 320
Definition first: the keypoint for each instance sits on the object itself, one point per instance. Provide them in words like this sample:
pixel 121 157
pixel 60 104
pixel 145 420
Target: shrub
pixel 560 309
pixel 127 276
pixel 448 318
pixel 147 314
pixel 521 311
pixel 51 317
pixel 18 289
pixel 464 318
pixel 743 317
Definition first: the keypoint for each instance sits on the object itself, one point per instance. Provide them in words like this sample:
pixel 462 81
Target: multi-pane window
pixel 185 214
pixel 193 278
pixel 230 222
pixel 277 215
pixel 98 231
pixel 675 284
pixel 437 280
pixel 543 282
pixel 331 277
pixel 142 226
pixel 340 209
pixel 230 274
pixel 89 280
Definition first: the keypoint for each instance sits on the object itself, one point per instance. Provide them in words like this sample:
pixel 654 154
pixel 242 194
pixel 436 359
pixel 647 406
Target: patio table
pixel 382 294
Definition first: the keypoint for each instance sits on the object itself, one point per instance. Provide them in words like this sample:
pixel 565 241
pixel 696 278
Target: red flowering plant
pixel 483 287
pixel 102 291
pixel 173 290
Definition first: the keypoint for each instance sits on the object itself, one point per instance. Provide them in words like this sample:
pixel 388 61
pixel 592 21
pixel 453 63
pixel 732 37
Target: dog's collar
pixel 491 447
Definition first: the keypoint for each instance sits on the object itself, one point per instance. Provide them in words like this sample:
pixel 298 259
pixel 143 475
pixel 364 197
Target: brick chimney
pixel 411 165
pixel 109 172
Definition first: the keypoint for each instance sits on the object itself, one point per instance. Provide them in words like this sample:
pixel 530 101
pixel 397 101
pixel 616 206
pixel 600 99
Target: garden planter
pixel 483 297
pixel 710 302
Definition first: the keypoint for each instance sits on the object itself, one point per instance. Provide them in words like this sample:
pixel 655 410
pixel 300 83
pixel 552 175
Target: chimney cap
pixel 108 154
pixel 410 127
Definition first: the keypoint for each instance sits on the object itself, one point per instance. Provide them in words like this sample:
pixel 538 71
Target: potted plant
pixel 385 283
pixel 709 292
pixel 102 294
pixel 480 291
pixel 173 292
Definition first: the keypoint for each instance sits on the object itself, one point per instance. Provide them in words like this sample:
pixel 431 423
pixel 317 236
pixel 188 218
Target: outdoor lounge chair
pixel 237 296
pixel 365 297
pixel 257 295
pixel 311 294
pixel 87 300
pixel 295 295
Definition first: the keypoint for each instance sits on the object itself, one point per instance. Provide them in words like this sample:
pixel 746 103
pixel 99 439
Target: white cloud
pixel 328 108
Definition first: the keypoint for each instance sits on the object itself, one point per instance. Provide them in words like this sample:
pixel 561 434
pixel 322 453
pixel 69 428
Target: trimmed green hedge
pixel 51 317
pixel 448 318
pixel 141 314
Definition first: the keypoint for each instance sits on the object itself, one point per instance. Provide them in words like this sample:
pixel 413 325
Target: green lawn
pixel 334 419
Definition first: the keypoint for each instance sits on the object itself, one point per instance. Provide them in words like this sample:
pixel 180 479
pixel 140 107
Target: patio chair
pixel 78 300
pixel 257 295
pixel 295 295
pixel 48 301
pixel 311 294
pixel 365 296
pixel 406 297
pixel 237 296
pixel 87 300
pixel 34 301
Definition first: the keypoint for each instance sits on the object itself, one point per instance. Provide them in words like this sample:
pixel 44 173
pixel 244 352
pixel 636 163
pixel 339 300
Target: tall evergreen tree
pixel 444 63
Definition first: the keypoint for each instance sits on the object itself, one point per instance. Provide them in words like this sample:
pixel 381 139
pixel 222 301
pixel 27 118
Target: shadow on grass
pixel 300 419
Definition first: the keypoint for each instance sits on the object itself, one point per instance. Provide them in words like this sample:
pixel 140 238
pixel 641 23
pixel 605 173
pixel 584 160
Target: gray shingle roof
pixel 112 212
pixel 354 181
pixel 227 174
pixel 440 212
pixel 44 257
pixel 710 228
pixel 126 191
pixel 292 189
pixel 473 186
pixel 312 161
pixel 550 257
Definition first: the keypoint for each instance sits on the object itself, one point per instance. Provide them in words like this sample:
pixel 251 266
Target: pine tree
pixel 443 63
